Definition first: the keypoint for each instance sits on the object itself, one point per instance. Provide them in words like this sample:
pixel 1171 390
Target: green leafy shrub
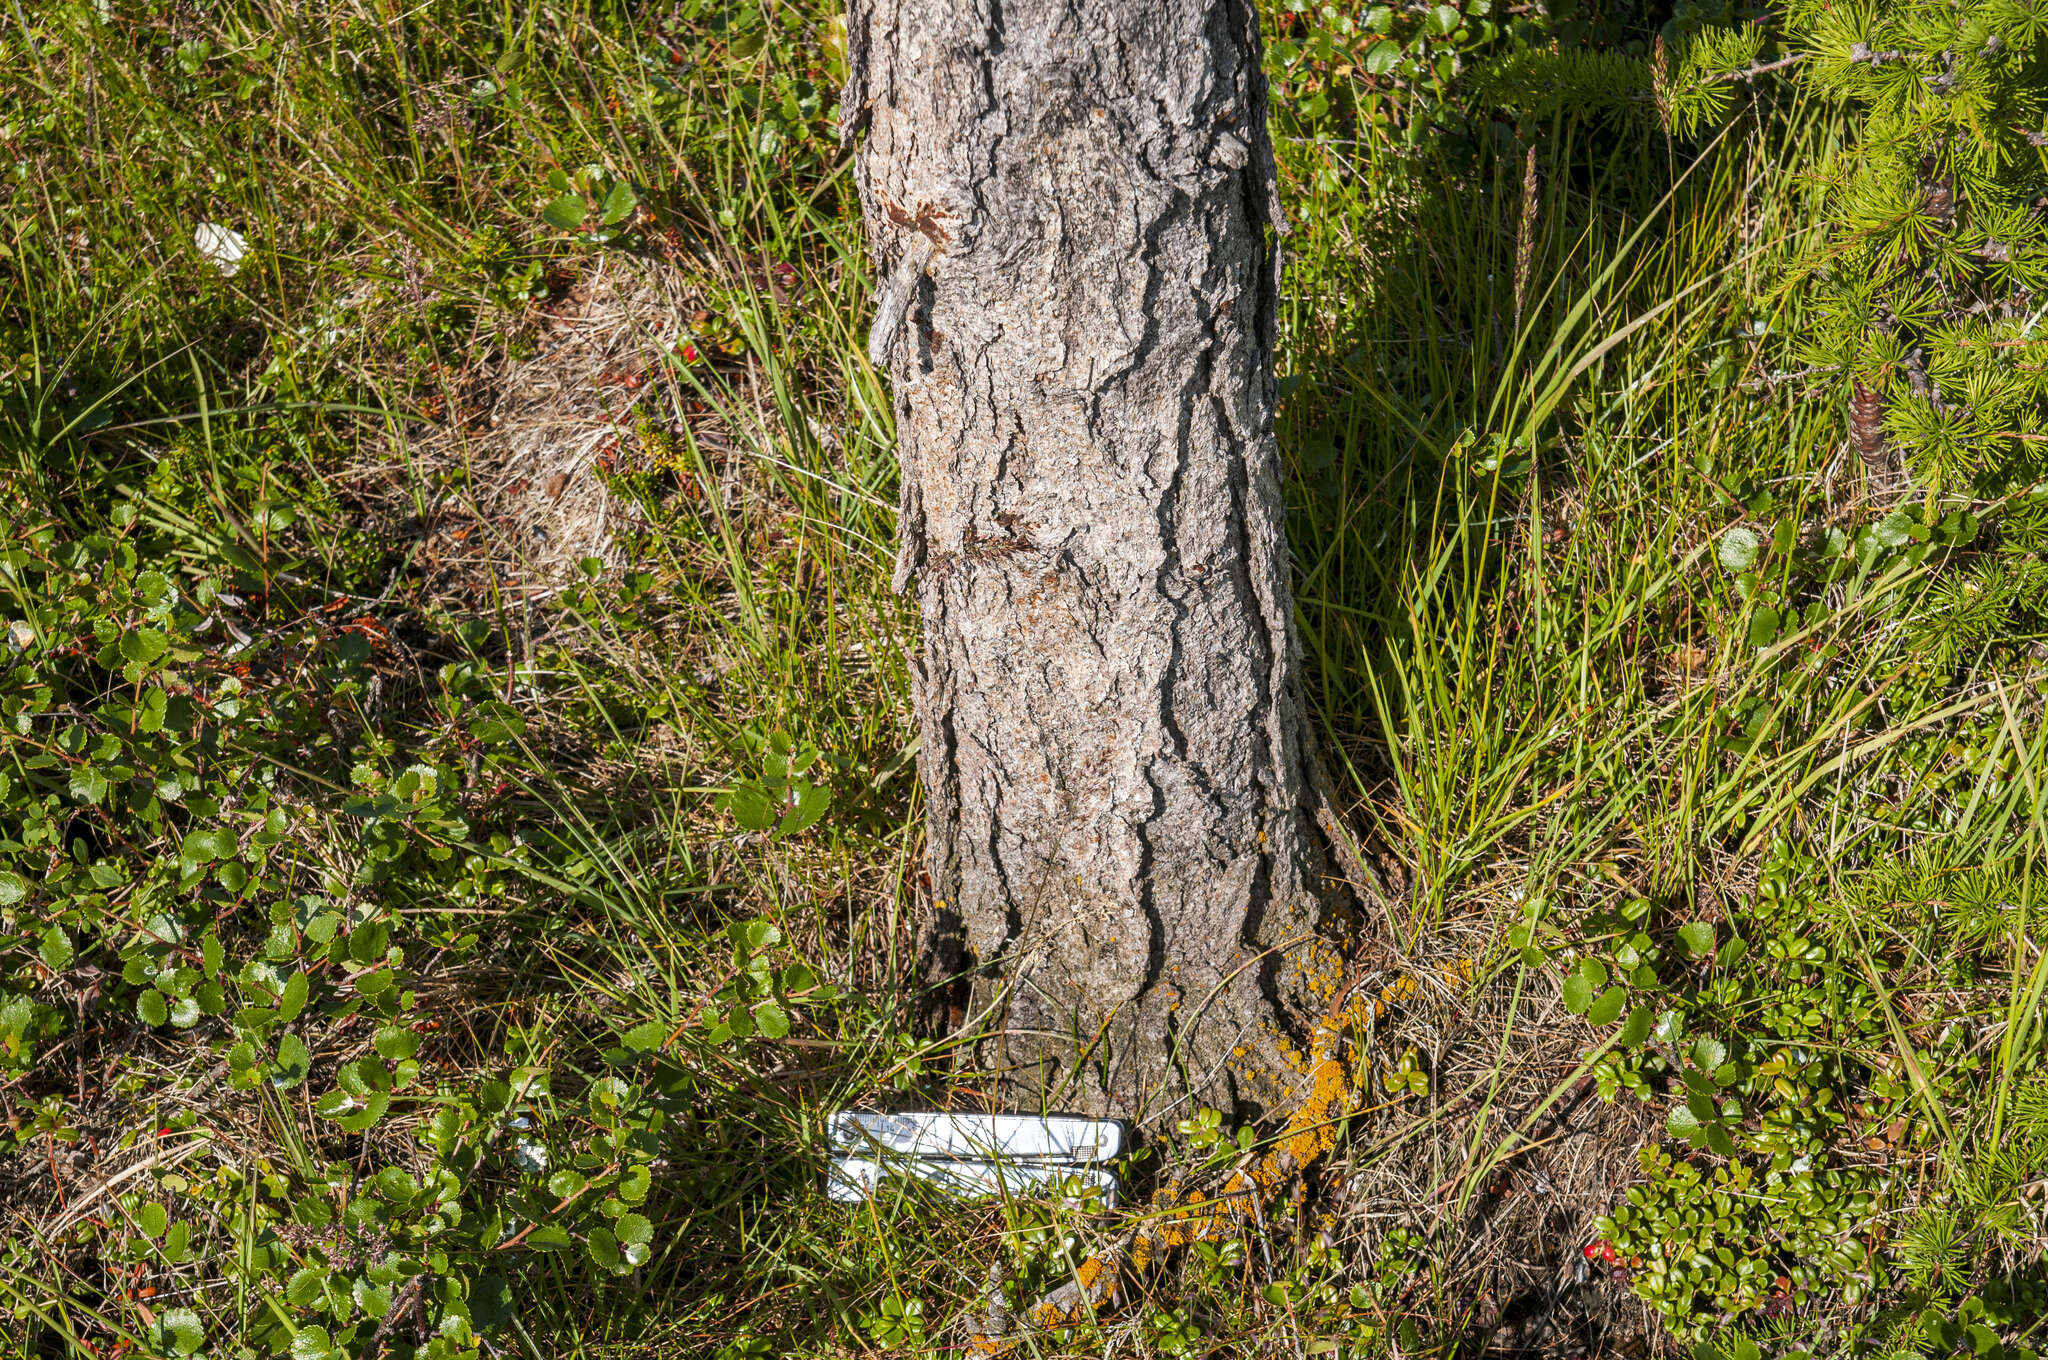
pixel 1750 1056
pixel 170 749
pixel 1779 1065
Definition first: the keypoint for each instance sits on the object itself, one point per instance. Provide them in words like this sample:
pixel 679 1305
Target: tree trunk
pixel 1072 207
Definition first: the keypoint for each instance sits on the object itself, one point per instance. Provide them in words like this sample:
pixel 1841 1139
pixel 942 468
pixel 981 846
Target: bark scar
pixel 975 549
pixel 925 221
pixel 894 303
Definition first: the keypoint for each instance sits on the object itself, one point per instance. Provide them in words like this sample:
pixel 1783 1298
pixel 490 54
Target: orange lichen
pixel 1181 1218
pixel 1089 1271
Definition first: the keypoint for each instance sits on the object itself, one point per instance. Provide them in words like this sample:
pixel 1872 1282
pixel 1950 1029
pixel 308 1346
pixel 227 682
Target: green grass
pixel 440 856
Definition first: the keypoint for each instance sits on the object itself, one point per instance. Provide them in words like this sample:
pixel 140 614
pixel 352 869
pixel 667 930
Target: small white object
pixel 223 246
pixel 1056 1138
pixel 853 1179
pixel 971 1155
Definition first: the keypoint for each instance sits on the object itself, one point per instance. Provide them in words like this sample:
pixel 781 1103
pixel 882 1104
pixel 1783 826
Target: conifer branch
pixel 1761 69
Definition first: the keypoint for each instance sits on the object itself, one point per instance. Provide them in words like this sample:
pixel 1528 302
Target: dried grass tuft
pixel 558 417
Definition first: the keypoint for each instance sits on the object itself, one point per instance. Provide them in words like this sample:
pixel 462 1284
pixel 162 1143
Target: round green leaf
pixel 88 785
pixel 755 935
pixel 1697 937
pixel 55 947
pixel 565 213
pixel 812 801
pixel 395 1043
pixel 13 887
pixel 293 1062
pixel 635 1230
pixel 751 807
pixel 1607 1009
pixel 604 1251
pixel 1578 992
pixel 305 1287
pixel 143 645
pixel 549 1237
pixel 1763 627
pixel 395 1183
pixel 311 1343
pixel 642 1037
pixel 178 1331
pixel 619 204
pixel 151 1008
pixel 770 1020
pixel 1737 549
pixel 373 1299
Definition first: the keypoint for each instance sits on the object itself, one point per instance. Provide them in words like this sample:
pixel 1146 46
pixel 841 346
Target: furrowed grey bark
pixel 1071 206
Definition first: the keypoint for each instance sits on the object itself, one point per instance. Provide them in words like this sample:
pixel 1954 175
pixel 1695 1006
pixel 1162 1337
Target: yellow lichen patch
pixel 1310 1132
pixel 1089 1271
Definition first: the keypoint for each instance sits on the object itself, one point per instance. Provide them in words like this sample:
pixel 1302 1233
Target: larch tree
pixel 1072 209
